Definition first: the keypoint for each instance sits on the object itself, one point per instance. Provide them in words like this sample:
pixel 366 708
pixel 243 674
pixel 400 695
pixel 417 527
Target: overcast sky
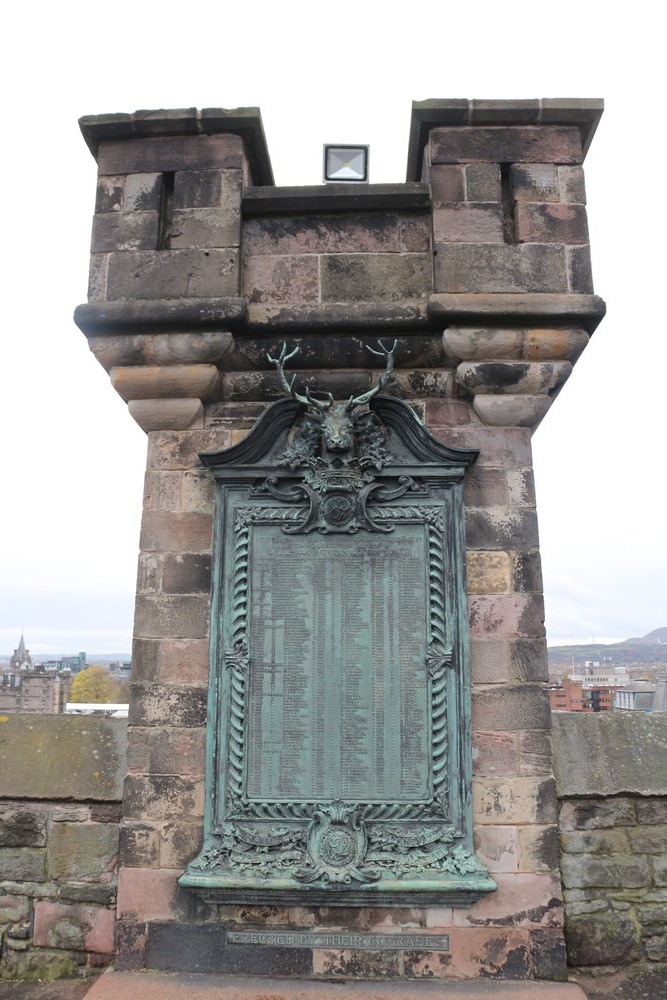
pixel 70 501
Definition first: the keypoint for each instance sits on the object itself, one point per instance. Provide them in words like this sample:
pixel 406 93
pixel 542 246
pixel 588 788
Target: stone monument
pixel 339 542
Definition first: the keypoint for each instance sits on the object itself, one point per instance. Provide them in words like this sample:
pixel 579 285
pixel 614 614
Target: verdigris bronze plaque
pixel 338 729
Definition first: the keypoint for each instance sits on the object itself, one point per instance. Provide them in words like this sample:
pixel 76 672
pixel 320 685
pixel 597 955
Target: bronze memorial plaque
pixel 338 767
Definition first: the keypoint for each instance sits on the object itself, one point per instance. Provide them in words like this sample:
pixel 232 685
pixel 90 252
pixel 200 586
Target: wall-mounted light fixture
pixel 345 164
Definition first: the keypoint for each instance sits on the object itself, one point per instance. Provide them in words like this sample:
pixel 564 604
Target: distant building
pixel 637 698
pixel 29 687
pixel 573 696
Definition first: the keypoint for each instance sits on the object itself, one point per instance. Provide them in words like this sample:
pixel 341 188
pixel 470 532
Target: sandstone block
pixel 488 572
pixel 162 705
pixel 535 182
pixel 142 192
pixel 550 223
pixel 120 231
pixel 22 826
pixel 527 572
pixel 415 233
pixel 510 615
pixel 538 849
pixel 186 574
pixel 181 617
pixel 184 661
pixel 485 487
pixel 323 234
pixel 198 188
pixel 173 274
pixel 556 345
pixel 518 144
pixel 375 277
pixel 489 661
pixel 23 864
pixel 480 267
pixel 503 447
pixel 177 751
pixel 536 757
pixel 110 194
pixel 448 184
pixel 175 153
pixel 139 845
pixel 281 279
pixel 651 810
pixel 482 343
pixel 497 847
pixel 178 532
pixel 530 377
pixel 511 411
pixel 528 660
pixel 350 962
pixel 13 908
pixel 572 184
pixel 593 814
pixel 157 382
pixel 521 706
pixel 97 277
pixel 579 271
pixel 617 872
pixel 144 660
pixel 83 850
pixel 606 841
pixel 514 800
pixel 521 900
pixel 483 182
pixel 495 754
pixel 503 528
pixel 179 843
pixel 602 939
pixel 150 894
pixel 204 227
pixel 161 797
pixel 206 348
pixel 430 384
pixel 521 487
pixel 443 412
pixel 467 222
pixel 79 927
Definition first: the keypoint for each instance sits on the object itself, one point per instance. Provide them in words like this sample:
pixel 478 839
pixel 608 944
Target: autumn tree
pixel 94 684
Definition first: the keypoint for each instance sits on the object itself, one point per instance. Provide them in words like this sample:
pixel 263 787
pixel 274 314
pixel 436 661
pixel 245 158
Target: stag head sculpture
pixel 336 420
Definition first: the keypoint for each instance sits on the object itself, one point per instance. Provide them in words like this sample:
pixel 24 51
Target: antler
pixel 307 400
pixel 388 353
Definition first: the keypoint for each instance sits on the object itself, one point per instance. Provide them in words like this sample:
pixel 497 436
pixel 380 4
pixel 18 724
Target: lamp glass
pixel 345 164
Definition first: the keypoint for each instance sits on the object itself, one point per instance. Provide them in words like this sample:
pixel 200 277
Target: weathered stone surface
pixel 23 864
pixel 374 277
pixel 611 754
pixel 579 270
pixel 142 192
pixel 482 182
pixel 182 617
pixel 184 661
pixel 511 411
pixel 535 181
pixel 443 412
pixel 166 414
pixel 528 660
pixel 521 706
pixel 204 227
pixel 503 528
pixel 198 188
pixel 527 267
pixel 165 705
pixel 495 754
pixel 497 847
pixel 538 849
pixel 177 751
pixel 521 900
pixel 550 223
pixel 507 614
pixel 139 845
pixel 82 850
pixel 489 661
pixel 485 487
pixel 605 841
pixel 415 233
pixel 179 843
pixel 59 925
pixel 494 308
pixel 172 274
pixel 502 447
pixel 465 222
pixel 323 234
pixel 173 153
pixel 121 231
pixel 176 531
pixel 186 574
pixel 22 826
pixel 62 756
pixel 515 800
pixel 527 572
pixel 572 184
pixel 448 184
pixel 619 871
pixel 601 939
pixel 555 144
pixel 158 382
pixel 590 814
pixel 535 377
pixel 110 194
pixel 276 279
pixel 161 349
pixel 163 797
pixel 488 572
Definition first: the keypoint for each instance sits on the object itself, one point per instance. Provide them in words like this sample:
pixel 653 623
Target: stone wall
pixel 612 785
pixel 60 789
pixel 478 265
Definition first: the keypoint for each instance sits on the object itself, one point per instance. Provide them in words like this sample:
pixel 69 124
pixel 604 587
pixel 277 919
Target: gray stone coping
pixel 246 122
pixel 335 198
pixel 517 307
pixel 610 753
pixel 584 114
pixel 76 757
